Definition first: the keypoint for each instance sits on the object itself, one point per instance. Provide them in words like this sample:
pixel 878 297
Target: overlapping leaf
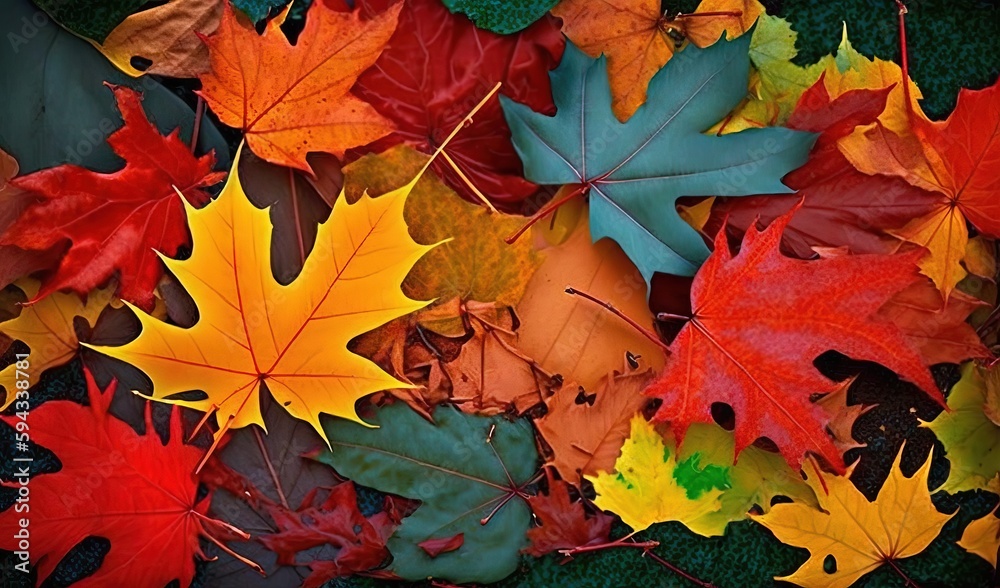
pixel 636 171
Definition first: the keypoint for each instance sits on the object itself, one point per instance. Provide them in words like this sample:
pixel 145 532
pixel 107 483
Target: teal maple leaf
pixel 635 171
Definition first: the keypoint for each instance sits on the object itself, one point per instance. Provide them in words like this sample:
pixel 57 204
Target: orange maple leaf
pixel 290 100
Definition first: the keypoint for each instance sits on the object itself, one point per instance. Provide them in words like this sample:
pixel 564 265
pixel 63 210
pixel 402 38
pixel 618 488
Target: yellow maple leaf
pixel 46 327
pixel 254 332
pixel 860 535
pixel 643 490
pixel 982 537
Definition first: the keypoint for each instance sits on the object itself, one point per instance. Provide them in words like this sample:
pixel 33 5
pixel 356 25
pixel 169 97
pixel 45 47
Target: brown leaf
pixel 586 429
pixel 490 375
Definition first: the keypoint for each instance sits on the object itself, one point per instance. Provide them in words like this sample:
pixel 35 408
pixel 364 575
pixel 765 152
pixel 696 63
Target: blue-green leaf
pixel 449 466
pixel 637 170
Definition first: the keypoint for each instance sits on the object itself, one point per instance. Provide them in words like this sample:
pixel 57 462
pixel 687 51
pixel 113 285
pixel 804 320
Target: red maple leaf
pixel 131 489
pixel 337 522
pixel 841 206
pixel 563 524
pixel 436 68
pixel 114 222
pixel 758 321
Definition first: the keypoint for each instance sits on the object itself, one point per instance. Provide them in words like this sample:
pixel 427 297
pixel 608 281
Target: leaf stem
pixel 610 307
pixel 564 195
pixel 677 570
pixel 909 582
pixel 903 58
pixel 622 542
pixel 270 467
pixel 199 112
pixel 733 13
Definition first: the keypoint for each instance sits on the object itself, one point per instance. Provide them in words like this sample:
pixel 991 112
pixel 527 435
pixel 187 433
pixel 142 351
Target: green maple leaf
pixel 969 431
pixel 635 171
pixel 459 479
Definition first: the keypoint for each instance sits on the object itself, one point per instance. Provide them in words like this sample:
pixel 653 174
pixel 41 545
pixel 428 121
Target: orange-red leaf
pixel 760 319
pixel 290 100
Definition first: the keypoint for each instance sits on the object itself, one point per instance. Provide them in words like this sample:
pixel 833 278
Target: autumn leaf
pixel 937 328
pixel 114 222
pixel 290 100
pixel 982 537
pixel 638 38
pixel 586 428
pixel 840 206
pixel 165 35
pixel 633 189
pixel 133 490
pixel 858 534
pixel 467 471
pixel 954 159
pixel 424 107
pixel 751 340
pixel 252 330
pixel 16 262
pixel 336 521
pixel 644 488
pixel 575 337
pixel 47 328
pixel 475 264
pixel 563 523
pixel 970 436
pixel 490 375
pixel 754 477
pixel 843 416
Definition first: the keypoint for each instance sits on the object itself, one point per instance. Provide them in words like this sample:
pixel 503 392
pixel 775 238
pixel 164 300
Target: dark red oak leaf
pixel 435 70
pixel 841 206
pixel 114 222
pixel 562 523
pixel 131 489
pixel 337 522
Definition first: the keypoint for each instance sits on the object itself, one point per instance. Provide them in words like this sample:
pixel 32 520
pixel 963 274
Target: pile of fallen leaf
pixel 442 286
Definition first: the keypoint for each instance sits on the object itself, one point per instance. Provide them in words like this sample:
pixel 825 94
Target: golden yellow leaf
pixel 697 215
pixel 860 535
pixel 166 35
pixel 574 337
pixel 254 332
pixel 46 327
pixel 980 257
pixel 638 38
pixel 946 237
pixel 643 489
pixel 982 537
